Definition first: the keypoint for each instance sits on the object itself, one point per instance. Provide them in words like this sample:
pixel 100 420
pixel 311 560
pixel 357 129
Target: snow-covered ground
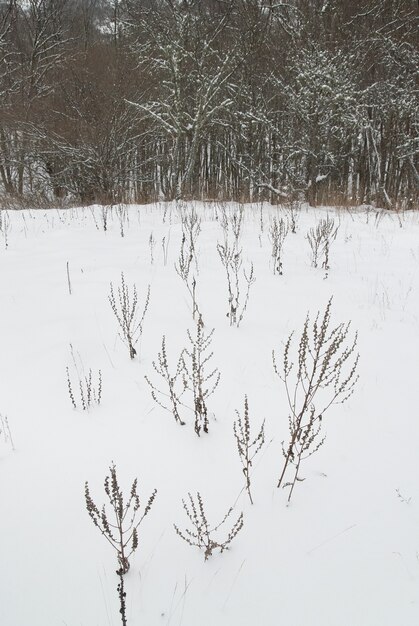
pixel 346 550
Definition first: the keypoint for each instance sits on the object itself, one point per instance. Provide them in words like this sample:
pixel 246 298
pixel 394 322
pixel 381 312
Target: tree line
pixel 139 100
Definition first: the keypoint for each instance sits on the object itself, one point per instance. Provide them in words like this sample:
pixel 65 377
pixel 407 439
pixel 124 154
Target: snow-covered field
pixel 345 552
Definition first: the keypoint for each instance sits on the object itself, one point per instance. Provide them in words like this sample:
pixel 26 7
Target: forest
pixel 116 101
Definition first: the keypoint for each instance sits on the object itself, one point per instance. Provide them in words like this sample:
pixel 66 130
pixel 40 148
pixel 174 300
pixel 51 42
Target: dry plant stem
pixel 151 243
pixel 186 255
pixel 247 446
pixel 122 214
pixel 236 223
pixel 250 280
pixel 293 211
pixel 161 367
pixel 165 247
pixel 104 217
pixel 201 534
pixel 122 598
pixel 197 380
pixel 89 393
pixel 230 257
pixel 125 309
pixel 277 233
pixel 325 375
pixel 5 226
pixel 5 431
pixel 320 239
pixel 121 530
pixel 68 279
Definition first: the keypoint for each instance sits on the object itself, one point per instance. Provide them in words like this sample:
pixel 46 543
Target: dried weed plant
pixel 292 211
pixel 120 528
pixel 5 432
pixel 176 382
pixel 201 383
pixel 247 445
pixel 320 239
pixel 125 309
pixel 231 258
pixel 278 230
pixel 191 227
pixel 89 387
pixel 201 534
pixel 324 374
pixel 5 226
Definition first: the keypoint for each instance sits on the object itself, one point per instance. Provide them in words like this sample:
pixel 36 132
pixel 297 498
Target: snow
pixel 321 177
pixel 345 551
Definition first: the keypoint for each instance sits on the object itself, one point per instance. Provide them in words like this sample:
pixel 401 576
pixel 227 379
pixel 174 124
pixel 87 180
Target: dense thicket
pixel 134 100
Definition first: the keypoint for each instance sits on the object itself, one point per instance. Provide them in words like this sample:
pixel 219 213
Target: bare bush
pixel 201 534
pixel 125 309
pixel 325 374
